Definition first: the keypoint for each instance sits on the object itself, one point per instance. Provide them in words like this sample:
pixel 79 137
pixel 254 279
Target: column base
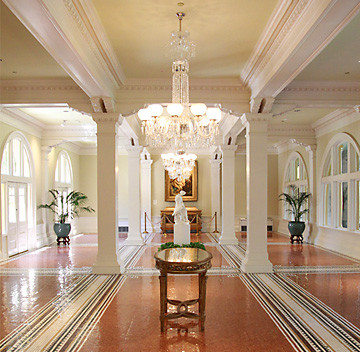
pixel 134 242
pixel 256 266
pixel 103 269
pixel 228 239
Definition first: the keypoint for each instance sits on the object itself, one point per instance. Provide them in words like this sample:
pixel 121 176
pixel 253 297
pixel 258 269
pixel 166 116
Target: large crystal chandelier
pixel 179 165
pixel 181 125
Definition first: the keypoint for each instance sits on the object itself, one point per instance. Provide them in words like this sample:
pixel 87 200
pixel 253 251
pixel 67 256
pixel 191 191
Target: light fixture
pixel 180 165
pixel 181 125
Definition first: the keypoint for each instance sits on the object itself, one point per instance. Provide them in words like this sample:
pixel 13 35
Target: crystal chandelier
pixel 181 125
pixel 179 165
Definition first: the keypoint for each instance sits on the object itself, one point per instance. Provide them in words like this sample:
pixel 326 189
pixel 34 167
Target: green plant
pixel 298 202
pixel 67 206
pixel 188 245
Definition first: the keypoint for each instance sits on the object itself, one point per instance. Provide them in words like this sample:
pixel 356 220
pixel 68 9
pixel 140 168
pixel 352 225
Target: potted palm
pixel 65 206
pixel 298 206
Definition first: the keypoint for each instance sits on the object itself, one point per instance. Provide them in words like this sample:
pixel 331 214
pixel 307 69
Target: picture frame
pixel 190 186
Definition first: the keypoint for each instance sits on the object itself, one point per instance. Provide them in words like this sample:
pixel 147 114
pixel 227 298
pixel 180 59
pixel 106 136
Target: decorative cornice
pixel 279 25
pixel 39 85
pixel 305 86
pixel 336 119
pixel 90 26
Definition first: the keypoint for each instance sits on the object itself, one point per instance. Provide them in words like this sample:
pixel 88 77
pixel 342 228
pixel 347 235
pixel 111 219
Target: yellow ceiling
pixel 340 56
pixel 57 116
pixel 22 53
pixel 225 33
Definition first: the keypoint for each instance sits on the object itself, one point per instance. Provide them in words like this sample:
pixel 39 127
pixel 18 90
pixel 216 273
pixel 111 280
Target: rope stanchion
pixel 216 231
pixel 145 232
pixel 151 222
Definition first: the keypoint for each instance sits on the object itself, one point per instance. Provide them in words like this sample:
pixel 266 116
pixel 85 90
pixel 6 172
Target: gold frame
pixel 170 197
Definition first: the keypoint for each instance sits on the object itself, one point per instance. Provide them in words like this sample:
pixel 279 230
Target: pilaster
pixel 228 195
pixel 256 258
pixel 107 261
pixel 134 210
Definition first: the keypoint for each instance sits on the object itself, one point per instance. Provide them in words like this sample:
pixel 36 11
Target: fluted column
pixel 107 261
pixel 146 163
pixel 215 163
pixel 134 206
pixel 228 195
pixel 256 259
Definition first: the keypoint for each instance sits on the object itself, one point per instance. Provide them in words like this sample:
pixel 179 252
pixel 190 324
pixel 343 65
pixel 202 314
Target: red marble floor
pixel 340 291
pixel 56 257
pixel 304 255
pixel 169 237
pixel 22 296
pixel 131 323
pixel 235 319
pixel 271 237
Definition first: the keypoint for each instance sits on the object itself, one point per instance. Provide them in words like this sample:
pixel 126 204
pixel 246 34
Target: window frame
pixel 332 159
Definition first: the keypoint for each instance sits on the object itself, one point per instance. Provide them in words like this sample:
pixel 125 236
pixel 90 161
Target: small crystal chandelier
pixel 179 165
pixel 182 125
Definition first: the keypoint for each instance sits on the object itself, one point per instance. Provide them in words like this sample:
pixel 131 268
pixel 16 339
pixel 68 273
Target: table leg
pixel 163 299
pixel 202 299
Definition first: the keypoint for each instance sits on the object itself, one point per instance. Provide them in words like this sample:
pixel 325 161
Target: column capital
pixel 228 150
pixel 146 163
pixel 134 150
pixel 102 118
pixel 254 118
pixel 311 148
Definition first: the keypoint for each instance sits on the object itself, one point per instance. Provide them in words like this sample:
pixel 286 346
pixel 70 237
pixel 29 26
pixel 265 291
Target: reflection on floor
pixel 50 301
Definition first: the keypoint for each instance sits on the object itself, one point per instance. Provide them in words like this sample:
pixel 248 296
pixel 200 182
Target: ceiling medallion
pixel 180 125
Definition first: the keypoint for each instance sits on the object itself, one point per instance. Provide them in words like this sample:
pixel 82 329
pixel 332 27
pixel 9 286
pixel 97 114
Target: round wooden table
pixel 182 261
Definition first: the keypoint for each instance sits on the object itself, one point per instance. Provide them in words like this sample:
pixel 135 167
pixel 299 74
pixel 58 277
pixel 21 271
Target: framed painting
pixel 173 187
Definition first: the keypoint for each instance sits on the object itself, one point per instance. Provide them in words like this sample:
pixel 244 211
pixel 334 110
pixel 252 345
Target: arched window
pixel 17 193
pixel 63 175
pixel 295 174
pixel 340 184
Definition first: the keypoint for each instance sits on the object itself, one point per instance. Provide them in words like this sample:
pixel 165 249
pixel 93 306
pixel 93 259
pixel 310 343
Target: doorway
pixel 17 218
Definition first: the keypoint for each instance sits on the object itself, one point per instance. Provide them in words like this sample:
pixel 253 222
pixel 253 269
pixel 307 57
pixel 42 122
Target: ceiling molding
pixel 320 94
pixel 335 120
pixel 89 24
pixel 55 26
pixel 21 121
pixel 296 33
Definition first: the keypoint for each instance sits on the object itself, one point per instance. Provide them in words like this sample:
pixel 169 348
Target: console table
pixel 167 220
pixel 182 261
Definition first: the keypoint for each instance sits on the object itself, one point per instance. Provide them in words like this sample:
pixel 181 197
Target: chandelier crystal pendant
pixel 180 165
pixel 181 125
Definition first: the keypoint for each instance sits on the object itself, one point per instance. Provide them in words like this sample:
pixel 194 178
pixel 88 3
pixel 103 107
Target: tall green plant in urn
pixel 66 206
pixel 298 206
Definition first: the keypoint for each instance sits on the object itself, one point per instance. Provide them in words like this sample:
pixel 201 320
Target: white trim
pixel 335 120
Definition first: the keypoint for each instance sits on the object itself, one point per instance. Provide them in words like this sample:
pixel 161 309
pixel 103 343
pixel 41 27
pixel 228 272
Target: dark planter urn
pixel 62 232
pixel 296 229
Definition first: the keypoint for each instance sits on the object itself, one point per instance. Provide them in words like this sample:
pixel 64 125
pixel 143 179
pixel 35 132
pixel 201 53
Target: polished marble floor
pixel 50 301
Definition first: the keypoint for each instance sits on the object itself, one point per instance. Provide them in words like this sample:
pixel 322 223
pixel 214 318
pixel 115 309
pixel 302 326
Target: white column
pixel 215 189
pixel 311 149
pixel 107 261
pixel 145 190
pixel 256 259
pixel 134 207
pixel 45 152
pixel 228 195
